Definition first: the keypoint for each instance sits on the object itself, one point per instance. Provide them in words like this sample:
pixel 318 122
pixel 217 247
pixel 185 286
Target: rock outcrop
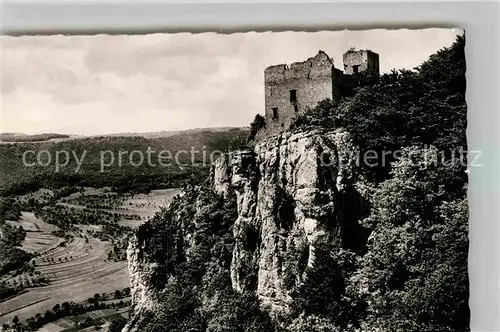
pixel 144 297
pixel 288 193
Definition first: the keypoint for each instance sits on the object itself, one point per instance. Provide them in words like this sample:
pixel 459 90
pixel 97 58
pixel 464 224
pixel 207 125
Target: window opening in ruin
pixel 296 108
pixel 355 69
pixel 275 112
pixel 293 96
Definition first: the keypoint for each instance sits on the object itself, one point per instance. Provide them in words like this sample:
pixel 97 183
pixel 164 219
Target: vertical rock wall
pixel 287 194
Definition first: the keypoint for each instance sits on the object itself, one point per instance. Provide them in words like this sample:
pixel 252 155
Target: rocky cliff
pixel 292 194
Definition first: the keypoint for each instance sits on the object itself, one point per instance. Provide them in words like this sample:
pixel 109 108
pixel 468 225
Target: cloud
pixel 118 83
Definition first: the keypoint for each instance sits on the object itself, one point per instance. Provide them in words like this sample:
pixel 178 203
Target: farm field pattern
pixel 78 269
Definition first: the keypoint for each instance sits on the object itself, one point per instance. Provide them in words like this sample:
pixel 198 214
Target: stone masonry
pixel 358 61
pixel 292 89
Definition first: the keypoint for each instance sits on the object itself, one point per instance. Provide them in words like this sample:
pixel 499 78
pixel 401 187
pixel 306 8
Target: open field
pixel 68 324
pixel 38 233
pixel 41 195
pixel 76 271
pixel 146 205
pixel 132 209
pixel 79 266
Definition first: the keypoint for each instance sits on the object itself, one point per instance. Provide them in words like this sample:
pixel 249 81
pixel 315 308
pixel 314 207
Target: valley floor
pixel 79 267
pixel 78 271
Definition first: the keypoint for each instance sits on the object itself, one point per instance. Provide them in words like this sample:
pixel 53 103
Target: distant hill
pixel 126 172
pixel 168 133
pixel 54 137
pixel 19 137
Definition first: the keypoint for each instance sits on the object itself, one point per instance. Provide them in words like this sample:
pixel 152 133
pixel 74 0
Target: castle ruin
pixel 291 89
pixel 359 61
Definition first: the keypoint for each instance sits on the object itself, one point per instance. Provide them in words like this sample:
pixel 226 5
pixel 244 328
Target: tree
pixel 117 324
pixel 15 320
pixel 414 275
pixel 39 319
pixel 48 315
pixel 312 323
pixel 31 323
pixel 323 292
pixel 257 124
pixel 66 308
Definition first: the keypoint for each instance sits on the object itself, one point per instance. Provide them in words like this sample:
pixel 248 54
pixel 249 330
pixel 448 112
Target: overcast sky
pixel 110 84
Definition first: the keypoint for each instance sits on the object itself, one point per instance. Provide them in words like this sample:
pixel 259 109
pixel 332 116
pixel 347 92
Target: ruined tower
pixel 292 89
pixel 358 61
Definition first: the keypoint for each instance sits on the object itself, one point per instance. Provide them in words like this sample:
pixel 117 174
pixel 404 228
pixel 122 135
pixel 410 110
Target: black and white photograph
pixel 285 181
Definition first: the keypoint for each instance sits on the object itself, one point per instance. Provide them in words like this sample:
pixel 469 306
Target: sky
pixel 102 84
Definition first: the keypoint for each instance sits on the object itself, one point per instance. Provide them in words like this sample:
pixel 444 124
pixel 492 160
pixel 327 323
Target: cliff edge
pixel 289 197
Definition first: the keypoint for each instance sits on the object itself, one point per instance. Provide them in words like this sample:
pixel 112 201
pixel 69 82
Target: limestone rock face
pixel 288 192
pixel 141 272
